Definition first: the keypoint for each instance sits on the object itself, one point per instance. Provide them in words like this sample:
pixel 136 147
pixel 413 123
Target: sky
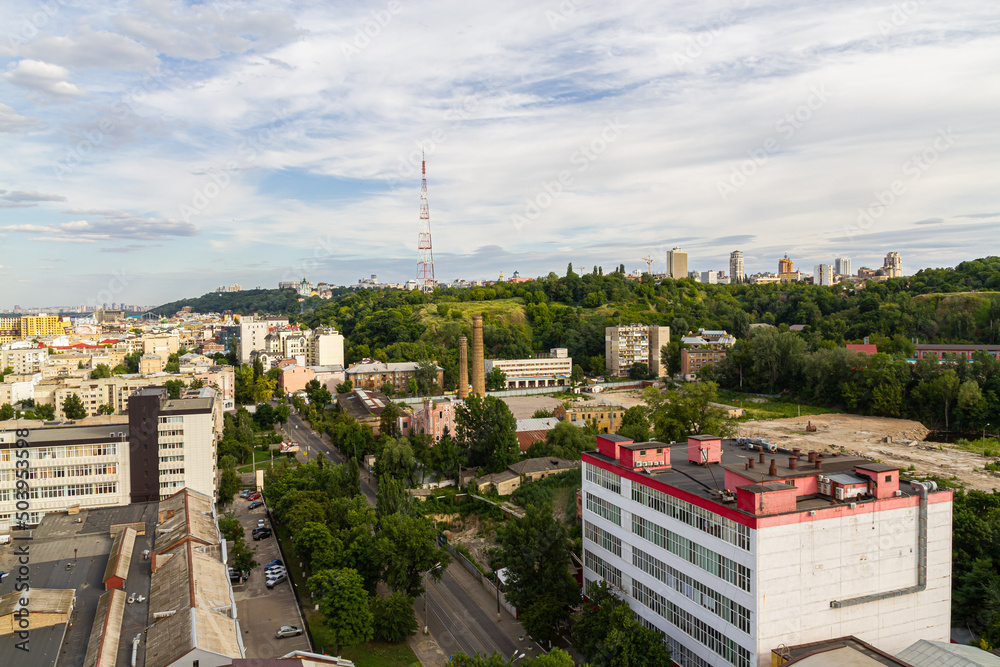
pixel 156 149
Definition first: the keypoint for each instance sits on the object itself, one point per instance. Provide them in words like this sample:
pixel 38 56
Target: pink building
pixel 434 419
pixel 295 378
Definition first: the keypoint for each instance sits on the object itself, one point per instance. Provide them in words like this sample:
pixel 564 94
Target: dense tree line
pixel 976 565
pixel 571 311
pixel 952 393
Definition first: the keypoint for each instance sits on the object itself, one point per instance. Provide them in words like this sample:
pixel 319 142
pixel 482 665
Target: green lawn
pixel 260 458
pixel 769 408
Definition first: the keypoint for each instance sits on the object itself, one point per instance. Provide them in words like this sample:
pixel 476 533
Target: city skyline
pixel 160 151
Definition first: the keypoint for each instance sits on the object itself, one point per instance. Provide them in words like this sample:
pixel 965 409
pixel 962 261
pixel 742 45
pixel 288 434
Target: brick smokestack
pixel 463 368
pixel 478 361
pixel 773 472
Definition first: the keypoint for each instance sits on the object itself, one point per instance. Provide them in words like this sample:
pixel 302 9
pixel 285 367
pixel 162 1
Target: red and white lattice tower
pixel 425 253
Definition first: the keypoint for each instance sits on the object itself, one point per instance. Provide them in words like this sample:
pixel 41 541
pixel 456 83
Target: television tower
pixel 425 253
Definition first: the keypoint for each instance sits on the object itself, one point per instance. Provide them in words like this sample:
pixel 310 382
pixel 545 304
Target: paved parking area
pixel 263 610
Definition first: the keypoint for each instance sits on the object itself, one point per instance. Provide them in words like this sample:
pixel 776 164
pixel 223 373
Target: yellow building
pixel 10 329
pixel 36 326
pixel 607 416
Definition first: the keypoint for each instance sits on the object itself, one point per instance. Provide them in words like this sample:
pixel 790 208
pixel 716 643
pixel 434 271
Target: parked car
pixel 287 631
pixel 262 523
pixel 278 566
pixel 246 492
pixel 255 504
pixel 254 496
pixel 276 561
pixel 261 535
pixel 271 583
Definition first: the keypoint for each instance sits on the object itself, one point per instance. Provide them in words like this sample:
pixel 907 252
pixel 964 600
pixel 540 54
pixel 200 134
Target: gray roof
pixel 537 424
pixel 925 653
pixel 847 478
pixel 380 367
pixel 541 464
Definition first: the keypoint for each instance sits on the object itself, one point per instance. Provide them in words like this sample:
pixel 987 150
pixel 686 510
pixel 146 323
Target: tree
pixel 132 362
pixel 100 371
pixel 6 412
pixel 281 413
pixel 390 496
pixel 946 387
pixel 313 540
pixel 635 424
pixel 675 415
pixel 388 421
pixel 394 619
pixel 242 556
pixel 345 387
pixel 229 484
pixel 344 603
pixel 387 388
pixel 609 635
pixel 639 371
pixel 46 411
pixel 395 459
pixel 105 409
pixel 73 407
pixel 318 394
pixel 496 380
pixel 535 550
pixel 577 375
pixel 426 376
pixel 486 429
pixel 408 548
pixel 174 388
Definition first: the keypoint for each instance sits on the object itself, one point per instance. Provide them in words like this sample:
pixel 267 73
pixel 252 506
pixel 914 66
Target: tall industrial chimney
pixel 463 368
pixel 478 361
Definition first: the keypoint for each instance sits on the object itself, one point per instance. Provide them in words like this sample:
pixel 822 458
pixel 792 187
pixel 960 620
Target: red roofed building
pixel 863 347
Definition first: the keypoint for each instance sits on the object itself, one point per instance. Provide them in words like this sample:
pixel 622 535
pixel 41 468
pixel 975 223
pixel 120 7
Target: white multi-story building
pixel 737 273
pixel 66 467
pixel 730 557
pixel 551 371
pixel 842 265
pixel 252 333
pixel 326 348
pixel 823 274
pixel 163 445
pixel 710 277
pixel 633 344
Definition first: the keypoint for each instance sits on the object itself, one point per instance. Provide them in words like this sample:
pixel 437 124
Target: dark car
pixel 276 561
pixel 261 534
pixel 255 504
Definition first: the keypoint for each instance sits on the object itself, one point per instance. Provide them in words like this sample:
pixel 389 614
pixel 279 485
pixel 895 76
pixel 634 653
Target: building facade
pixel 553 370
pixel 786 555
pixel 893 265
pixel 823 274
pixel 252 333
pixel 842 265
pixel 677 263
pixel 708 348
pixel 737 273
pixel 632 344
pixel 373 375
pixel 436 419
pixel 607 417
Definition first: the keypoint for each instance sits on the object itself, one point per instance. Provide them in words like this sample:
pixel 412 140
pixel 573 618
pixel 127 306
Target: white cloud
pixel 44 78
pixel 89 49
pixel 11 121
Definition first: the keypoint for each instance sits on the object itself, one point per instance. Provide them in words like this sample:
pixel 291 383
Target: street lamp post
pixel 496 576
pixel 425 596
pixel 984 438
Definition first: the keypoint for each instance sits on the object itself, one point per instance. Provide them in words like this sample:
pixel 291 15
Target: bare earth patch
pixel 893 441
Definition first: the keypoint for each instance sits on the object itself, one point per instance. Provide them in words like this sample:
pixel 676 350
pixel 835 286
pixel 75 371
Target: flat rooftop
pixel 52 565
pixel 706 480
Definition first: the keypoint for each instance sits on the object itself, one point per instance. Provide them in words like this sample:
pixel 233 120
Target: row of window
pixel 66 452
pixel 679 653
pixel 729 611
pixel 608 572
pixel 64 491
pixel 604 509
pixel 171 459
pixel 171 445
pixel 57 472
pixel 717 564
pixel 171 420
pixel 174 432
pixel 172 471
pixel 697 517
pixel 599 536
pixel 703 633
pixel 171 485
pixel 602 477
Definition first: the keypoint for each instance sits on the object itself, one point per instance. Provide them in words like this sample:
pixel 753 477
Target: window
pixel 642 452
pixel 659 450
pixel 603 538
pixel 604 509
pixel 705 558
pixel 605 478
pixel 697 517
pixel 888 478
pixel 607 572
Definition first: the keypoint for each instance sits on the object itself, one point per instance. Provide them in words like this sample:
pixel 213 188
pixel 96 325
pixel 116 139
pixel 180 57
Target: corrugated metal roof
pixel 102 649
pixel 924 653
pixel 121 555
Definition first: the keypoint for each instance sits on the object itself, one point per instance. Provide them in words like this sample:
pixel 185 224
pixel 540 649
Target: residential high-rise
pixel 252 333
pixel 785 265
pixel 737 273
pixel 710 277
pixel 633 344
pixel 731 553
pixel 677 263
pixel 823 274
pixel 842 265
pixel 893 265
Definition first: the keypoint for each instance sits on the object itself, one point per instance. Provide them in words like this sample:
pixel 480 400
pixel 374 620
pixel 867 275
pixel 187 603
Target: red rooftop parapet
pixel 704 449
pixel 648 456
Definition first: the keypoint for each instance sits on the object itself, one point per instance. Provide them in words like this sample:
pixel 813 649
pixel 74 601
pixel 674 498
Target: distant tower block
pixel 463 368
pixel 478 361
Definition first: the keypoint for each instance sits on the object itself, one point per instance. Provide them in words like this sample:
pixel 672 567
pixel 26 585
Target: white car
pixel 273 574
pixel 271 583
pixel 288 631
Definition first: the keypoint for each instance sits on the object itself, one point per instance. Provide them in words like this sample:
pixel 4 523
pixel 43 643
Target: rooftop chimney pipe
pixel 773 471
pixel 819 464
pixel 750 463
pixel 812 457
pixel 762 456
pixel 793 462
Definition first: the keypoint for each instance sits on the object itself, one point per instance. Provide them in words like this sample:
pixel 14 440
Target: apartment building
pixel 737 272
pixel 842 265
pixel 10 329
pixel 708 348
pixel 893 265
pixel 325 348
pixel 823 274
pixel 373 375
pixel 731 553
pixel 633 344
pixel 252 334
pixel 39 326
pixel 25 360
pixel 606 416
pixel 553 370
pixel 677 263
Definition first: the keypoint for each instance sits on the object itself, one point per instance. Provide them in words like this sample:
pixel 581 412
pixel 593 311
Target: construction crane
pixel 649 264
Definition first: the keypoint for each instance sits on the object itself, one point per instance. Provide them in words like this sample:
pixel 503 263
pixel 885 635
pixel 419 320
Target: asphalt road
pixel 461 615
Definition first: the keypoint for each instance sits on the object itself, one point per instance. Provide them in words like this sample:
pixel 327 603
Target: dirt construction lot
pixel 893 441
